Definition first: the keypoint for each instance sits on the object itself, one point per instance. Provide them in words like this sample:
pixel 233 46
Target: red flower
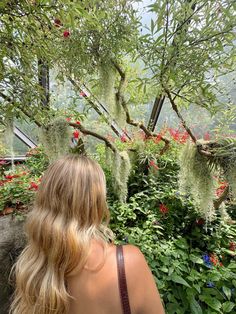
pixel 66 34
pixel 158 138
pixel 178 136
pixel 221 188
pixel 77 122
pixel 123 138
pixel 153 164
pixel 57 23
pixel 214 259
pixel 200 221
pixel 33 186
pixel 9 177
pixel 163 209
pixel 76 134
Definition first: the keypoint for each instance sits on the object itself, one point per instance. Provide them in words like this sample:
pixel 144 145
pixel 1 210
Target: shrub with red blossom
pixel 163 209
pixel 76 134
pixel 66 34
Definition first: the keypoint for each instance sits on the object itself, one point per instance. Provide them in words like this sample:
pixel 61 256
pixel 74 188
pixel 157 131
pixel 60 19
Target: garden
pixel 147 88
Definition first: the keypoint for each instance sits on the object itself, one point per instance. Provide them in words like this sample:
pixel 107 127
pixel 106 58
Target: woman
pixel 70 264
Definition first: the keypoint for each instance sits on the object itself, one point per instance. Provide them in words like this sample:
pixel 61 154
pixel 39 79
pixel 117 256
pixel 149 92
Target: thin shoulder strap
pixel 124 296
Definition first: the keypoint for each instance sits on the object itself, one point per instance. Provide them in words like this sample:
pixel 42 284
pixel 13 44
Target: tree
pixel 187 46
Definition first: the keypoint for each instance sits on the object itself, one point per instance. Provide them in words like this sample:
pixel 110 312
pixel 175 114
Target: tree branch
pixel 98 107
pixel 175 108
pixel 121 100
pixel 94 134
pixel 188 20
pixel 196 42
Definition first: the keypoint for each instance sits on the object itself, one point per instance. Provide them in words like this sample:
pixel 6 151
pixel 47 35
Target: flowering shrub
pixel 18 185
pixel 17 189
pixel 193 261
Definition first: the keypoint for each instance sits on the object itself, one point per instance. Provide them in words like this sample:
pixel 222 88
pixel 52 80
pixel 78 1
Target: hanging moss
pixel 56 138
pixel 120 115
pixel 121 168
pixel 107 86
pixel 196 178
pixel 223 213
pixel 231 178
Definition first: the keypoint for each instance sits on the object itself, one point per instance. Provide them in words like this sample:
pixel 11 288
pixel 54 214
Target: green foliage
pixel 17 189
pixel 178 32
pixel 175 241
pixel 37 161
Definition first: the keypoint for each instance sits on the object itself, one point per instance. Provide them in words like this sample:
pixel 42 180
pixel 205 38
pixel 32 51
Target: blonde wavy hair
pixel 69 211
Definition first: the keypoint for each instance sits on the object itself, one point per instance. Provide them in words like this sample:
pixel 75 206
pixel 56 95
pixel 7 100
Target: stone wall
pixel 12 241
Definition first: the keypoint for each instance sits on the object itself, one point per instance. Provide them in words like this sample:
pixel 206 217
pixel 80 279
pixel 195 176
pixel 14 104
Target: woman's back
pixel 96 289
pixel 68 265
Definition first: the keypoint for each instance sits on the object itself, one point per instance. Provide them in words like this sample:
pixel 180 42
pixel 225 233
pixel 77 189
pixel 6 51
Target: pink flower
pixel 123 138
pixel 153 164
pixel 83 94
pixel 3 162
pixel 206 136
pixel 68 119
pixel 66 34
pixel 163 209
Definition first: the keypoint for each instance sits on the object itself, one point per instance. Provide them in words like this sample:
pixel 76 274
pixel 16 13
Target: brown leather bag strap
pixel 124 296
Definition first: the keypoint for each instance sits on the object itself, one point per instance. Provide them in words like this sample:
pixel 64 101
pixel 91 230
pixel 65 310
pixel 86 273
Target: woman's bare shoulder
pixel 144 295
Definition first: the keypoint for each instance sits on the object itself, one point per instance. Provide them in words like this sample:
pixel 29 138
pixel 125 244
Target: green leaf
pixel 227 292
pixel 152 26
pixel 228 306
pixel 232 266
pixel 196 259
pixel 212 302
pixel 179 280
pixel 195 307
pixel 181 243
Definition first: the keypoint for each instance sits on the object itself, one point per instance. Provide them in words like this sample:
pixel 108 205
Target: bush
pixel 193 261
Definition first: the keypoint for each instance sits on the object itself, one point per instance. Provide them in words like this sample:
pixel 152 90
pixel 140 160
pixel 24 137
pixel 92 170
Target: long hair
pixel 69 211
